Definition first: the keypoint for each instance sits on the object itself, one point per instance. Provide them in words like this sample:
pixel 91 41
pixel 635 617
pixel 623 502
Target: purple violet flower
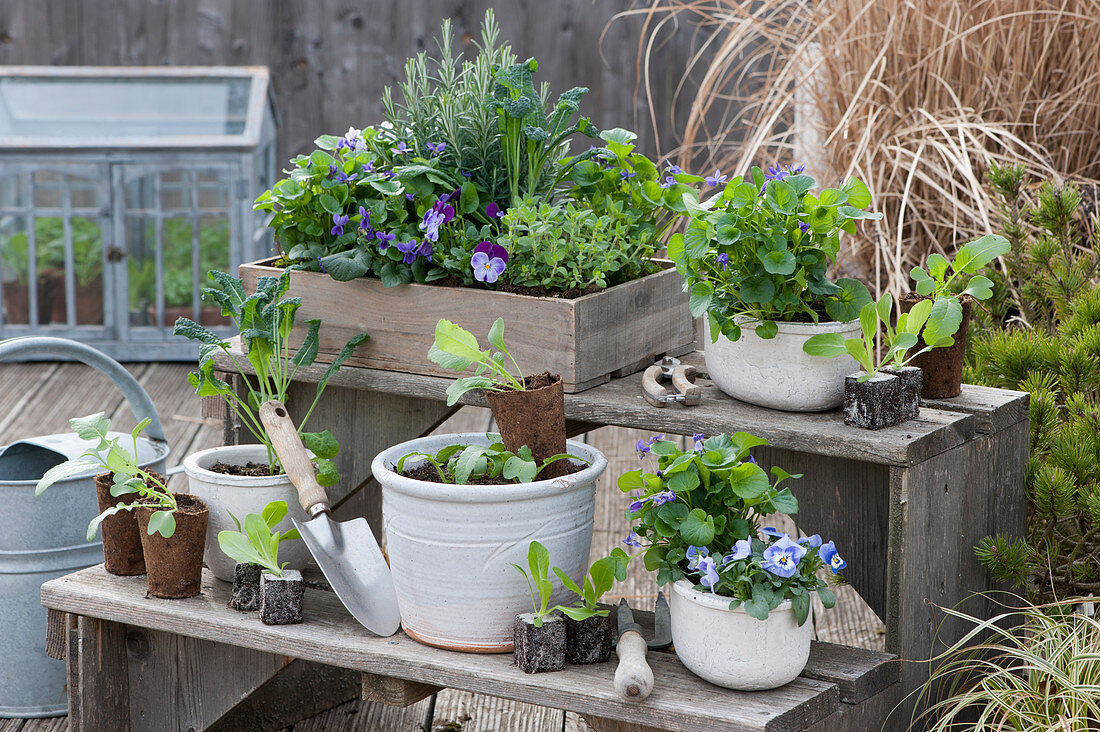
pixel 345 177
pixel 668 182
pixel 782 557
pixel 321 265
pixel 364 218
pixel 425 250
pixel 637 504
pixel 632 539
pixel 776 172
pixel 338 222
pixel 660 499
pixel 408 248
pixel 623 174
pixel 435 217
pixel 708 572
pixel 389 174
pixel 656 438
pixel 436 147
pixel 673 169
pixel 409 196
pixel 332 170
pixel 797 170
pixel 829 555
pixel 641 447
pixel 493 211
pixel 698 438
pixel 369 167
pixel 724 261
pixel 384 239
pixel 401 148
pixel 465 173
pixel 803 226
pixel 717 179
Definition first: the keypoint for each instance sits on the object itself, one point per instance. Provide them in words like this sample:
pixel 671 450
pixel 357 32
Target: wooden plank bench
pixel 106 626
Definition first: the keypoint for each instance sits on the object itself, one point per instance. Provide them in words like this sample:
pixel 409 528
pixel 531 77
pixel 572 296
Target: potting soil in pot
pixel 257 470
pixel 174 565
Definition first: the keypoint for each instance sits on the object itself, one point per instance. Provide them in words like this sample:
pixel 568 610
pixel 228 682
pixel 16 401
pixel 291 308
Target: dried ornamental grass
pixel 916 98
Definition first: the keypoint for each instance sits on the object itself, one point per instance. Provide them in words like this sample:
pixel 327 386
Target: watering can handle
pixel 138 399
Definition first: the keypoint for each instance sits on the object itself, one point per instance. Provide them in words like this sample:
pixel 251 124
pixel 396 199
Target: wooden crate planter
pixel 616 331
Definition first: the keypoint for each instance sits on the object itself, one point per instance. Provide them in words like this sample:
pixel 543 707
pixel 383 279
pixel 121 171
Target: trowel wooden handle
pixel 633 677
pixel 292 454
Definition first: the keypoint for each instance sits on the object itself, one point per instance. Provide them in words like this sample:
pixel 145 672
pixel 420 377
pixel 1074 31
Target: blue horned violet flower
pixel 425 249
pixel 782 557
pixel 717 179
pixel 830 556
pixel 338 222
pixel 488 262
pixel 624 174
pixel 772 531
pixel 632 539
pixel 694 554
pixel 436 216
pixel 814 541
pixel 708 571
pixel 345 177
pixel 436 147
pixel 776 172
pixel 742 548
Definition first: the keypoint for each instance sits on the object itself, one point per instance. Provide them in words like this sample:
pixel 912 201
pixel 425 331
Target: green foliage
pixel 256 541
pixel 176 253
pixel 538 561
pixel 597 582
pixel 896 342
pixel 456 348
pixel 264 319
pixel 761 250
pixel 460 464
pixel 1031 670
pixel 1048 344
pixel 49 237
pixel 111 456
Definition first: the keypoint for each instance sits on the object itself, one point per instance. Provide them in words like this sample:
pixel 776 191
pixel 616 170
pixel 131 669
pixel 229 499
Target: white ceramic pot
pixel 776 373
pixel 451 546
pixel 731 648
pixel 241 495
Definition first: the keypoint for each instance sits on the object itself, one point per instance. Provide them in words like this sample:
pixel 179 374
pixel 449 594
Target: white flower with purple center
pixel 698 438
pixel 352 140
pixel 488 262
pixel 782 557
pixel 831 557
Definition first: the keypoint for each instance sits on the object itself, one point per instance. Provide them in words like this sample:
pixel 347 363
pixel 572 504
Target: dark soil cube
pixel 539 649
pixel 588 641
pixel 872 404
pixel 912 381
pixel 281 597
pixel 246 587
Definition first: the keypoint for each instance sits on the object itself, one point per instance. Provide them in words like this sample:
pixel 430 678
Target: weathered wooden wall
pixel 330 59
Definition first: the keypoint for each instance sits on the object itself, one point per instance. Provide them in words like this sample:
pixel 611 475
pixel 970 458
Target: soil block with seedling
pixel 281 597
pixel 539 647
pixel 589 640
pixel 246 587
pixel 874 403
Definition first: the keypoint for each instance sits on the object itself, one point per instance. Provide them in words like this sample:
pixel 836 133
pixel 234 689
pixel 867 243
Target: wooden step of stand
pixel 839 683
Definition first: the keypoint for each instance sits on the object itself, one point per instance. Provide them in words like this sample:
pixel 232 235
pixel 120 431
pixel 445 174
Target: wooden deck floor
pixel 39 398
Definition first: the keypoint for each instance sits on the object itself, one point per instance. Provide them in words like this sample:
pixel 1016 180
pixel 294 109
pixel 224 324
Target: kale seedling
pixel 599 579
pixel 538 560
pixel 110 456
pixel 459 464
pixel 456 348
pixel 257 542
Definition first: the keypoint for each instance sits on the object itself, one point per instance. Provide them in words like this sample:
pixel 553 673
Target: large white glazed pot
pixel 241 495
pixel 451 546
pixel 776 373
pixel 731 648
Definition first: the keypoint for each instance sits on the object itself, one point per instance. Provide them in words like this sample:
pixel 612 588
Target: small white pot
pixel 731 648
pixel 776 373
pixel 451 546
pixel 241 495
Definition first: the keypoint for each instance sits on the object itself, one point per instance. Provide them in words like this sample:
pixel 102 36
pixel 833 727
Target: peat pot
pixel 451 546
pixel 45 537
pixel 776 372
pixel 241 495
pixel 731 648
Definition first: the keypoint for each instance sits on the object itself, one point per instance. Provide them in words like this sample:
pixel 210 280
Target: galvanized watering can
pixel 44 537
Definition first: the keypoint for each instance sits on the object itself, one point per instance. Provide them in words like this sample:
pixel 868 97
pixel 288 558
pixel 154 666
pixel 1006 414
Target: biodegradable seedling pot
pixel 539 649
pixel 942 367
pixel 281 597
pixel 122 553
pixel 246 587
pixel 872 404
pixel 589 640
pixel 912 380
pixel 534 417
pixel 174 565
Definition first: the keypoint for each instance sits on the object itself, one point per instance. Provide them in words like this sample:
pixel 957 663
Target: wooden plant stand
pixel 906 504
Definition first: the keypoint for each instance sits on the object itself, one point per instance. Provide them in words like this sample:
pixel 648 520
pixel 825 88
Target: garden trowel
pixel 633 677
pixel 346 551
